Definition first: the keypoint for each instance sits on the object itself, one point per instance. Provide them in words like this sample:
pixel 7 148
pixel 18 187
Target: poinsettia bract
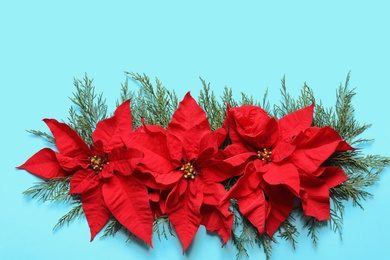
pixel 183 159
pixel 101 173
pixel 283 162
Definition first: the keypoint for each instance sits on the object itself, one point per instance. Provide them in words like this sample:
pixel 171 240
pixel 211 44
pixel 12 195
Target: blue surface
pixel 248 47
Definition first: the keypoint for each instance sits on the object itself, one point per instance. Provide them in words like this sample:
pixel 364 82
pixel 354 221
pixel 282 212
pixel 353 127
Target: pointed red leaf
pixel 283 173
pixel 175 148
pixel 152 141
pixel 314 146
pixel 124 160
pixel 95 210
pixel 295 122
pixel 71 163
pixel 282 151
pixel 107 132
pixel 68 142
pixel 111 131
pixel 333 176
pixel 83 180
pixel 184 213
pixel 315 197
pixel 212 192
pixel 281 203
pixel 216 221
pixel 44 164
pixel 192 142
pixel 254 207
pixel 127 198
pixel 186 116
pixel 220 135
pixel 246 184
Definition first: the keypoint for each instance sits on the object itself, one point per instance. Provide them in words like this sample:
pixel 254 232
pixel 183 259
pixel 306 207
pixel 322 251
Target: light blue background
pixel 247 46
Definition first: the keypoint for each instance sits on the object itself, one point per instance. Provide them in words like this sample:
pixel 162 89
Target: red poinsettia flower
pixel 183 161
pixel 283 159
pixel 101 173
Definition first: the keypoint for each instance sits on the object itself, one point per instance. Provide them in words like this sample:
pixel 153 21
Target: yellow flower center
pixel 97 162
pixel 264 155
pixel 188 170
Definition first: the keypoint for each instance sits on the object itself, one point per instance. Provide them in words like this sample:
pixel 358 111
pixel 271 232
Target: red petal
pixel 106 131
pixel 193 143
pixel 95 210
pixel 213 193
pixel 252 124
pixel 205 158
pixel 68 142
pixel 216 221
pixel 344 146
pixel 248 120
pixel 315 197
pixel 295 122
pixel 281 203
pixel 124 160
pixel 44 164
pixel 283 173
pixel 254 208
pixel 175 147
pixel 83 180
pixel 333 176
pixel 184 213
pixel 127 198
pixel 281 151
pixel 157 202
pixel 111 130
pixel 148 178
pixel 70 163
pixel 246 184
pixel 220 135
pixel 188 115
pixel 314 147
pixel 235 157
pixel 154 146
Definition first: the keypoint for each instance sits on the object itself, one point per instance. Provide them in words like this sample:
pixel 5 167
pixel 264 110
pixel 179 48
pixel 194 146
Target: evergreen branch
pixel 336 223
pixel 44 135
pixel 155 104
pixel 266 242
pixel 214 110
pixel 289 232
pixel 248 100
pixel 112 228
pixel 125 93
pixel 265 103
pixel 160 225
pixel 313 226
pixel 75 213
pixel 227 98
pixel 52 190
pixel 91 108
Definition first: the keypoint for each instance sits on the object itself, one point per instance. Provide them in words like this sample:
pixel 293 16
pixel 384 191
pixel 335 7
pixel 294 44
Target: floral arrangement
pixel 239 169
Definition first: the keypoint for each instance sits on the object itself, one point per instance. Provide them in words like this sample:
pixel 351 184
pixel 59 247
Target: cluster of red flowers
pixel 137 176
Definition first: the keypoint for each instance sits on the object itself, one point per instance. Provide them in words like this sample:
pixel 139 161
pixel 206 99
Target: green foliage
pixel 52 190
pixel 289 232
pixel 161 225
pixel 156 104
pixel 44 135
pixel 89 108
pixel 75 213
